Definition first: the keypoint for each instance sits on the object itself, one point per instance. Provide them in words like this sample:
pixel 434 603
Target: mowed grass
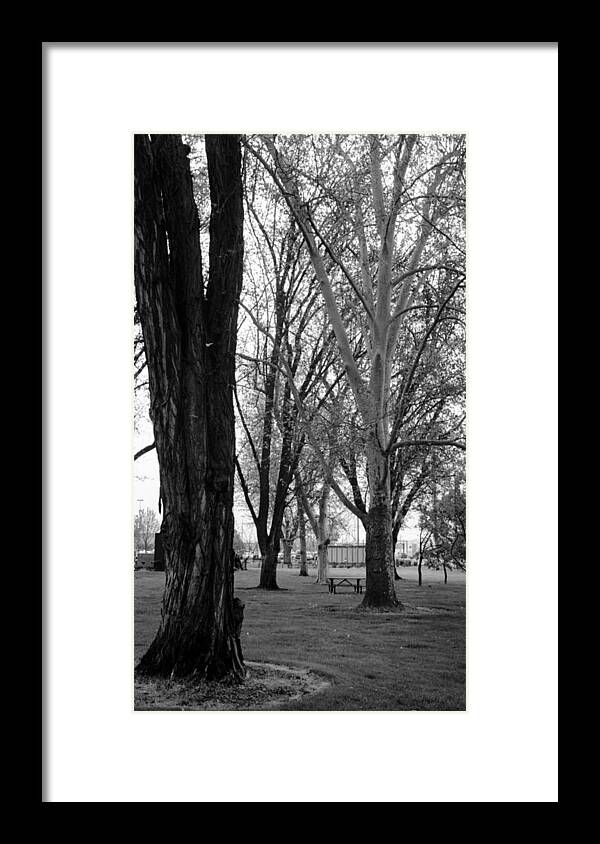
pixel 408 660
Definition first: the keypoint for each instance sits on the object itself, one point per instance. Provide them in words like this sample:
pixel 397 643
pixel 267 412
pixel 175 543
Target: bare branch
pixel 417 358
pixel 244 486
pixel 307 424
pixel 144 450
pixel 248 434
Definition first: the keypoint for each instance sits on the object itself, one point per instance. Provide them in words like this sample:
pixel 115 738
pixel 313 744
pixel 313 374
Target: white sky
pixel 146 489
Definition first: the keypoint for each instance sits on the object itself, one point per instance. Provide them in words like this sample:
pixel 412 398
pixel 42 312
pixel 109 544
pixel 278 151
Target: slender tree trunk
pixel 319 525
pixel 436 533
pixel 420 569
pixel 323 534
pixel 301 533
pixel 396 524
pixel 191 403
pixel 380 591
pixel 322 562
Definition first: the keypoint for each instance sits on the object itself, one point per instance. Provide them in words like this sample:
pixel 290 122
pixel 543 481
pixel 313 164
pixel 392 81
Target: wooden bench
pixel 355 582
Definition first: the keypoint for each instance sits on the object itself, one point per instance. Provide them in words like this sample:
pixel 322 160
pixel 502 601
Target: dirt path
pixel 267 686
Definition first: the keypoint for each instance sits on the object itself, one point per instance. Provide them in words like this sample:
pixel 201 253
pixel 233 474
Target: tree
pixel 288 536
pixel 300 515
pixel 319 522
pixel 443 515
pixel 425 537
pixel 189 332
pixel 281 305
pixel 145 526
pixel 396 208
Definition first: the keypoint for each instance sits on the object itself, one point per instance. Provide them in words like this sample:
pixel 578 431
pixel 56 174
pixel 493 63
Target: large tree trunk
pixel 222 297
pixel 380 591
pixel 190 394
pixel 268 569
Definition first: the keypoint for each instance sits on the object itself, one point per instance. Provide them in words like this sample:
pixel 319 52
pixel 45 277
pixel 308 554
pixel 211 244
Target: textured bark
pixel 322 562
pixel 190 393
pixel 222 297
pixel 159 554
pixel 380 570
pixel 268 569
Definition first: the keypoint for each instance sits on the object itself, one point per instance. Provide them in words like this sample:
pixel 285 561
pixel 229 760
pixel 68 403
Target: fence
pixel 346 555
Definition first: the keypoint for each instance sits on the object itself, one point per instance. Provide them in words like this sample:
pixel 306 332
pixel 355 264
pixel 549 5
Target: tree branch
pixel 293 202
pixel 245 491
pixel 405 443
pixel 410 376
pixel 144 450
pixel 307 425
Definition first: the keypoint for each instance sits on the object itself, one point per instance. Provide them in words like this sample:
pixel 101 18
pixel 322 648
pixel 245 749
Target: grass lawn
pixel 410 660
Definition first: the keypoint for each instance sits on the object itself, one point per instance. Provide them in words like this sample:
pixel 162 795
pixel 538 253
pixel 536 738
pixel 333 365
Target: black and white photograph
pixel 300 422
pixel 300 407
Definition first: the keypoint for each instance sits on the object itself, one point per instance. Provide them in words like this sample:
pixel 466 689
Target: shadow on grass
pixel 409 659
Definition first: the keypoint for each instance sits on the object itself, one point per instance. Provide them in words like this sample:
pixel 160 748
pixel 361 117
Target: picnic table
pixel 355 582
